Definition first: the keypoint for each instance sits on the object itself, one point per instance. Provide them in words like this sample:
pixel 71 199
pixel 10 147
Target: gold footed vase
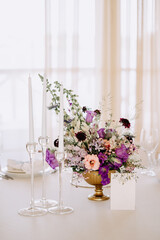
pixel 93 178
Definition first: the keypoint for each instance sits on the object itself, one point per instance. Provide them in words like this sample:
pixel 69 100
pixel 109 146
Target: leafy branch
pixel 74 107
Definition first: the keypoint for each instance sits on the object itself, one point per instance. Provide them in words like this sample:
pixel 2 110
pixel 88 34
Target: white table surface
pixel 90 220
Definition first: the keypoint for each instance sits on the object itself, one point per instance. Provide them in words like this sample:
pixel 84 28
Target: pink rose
pixel 91 162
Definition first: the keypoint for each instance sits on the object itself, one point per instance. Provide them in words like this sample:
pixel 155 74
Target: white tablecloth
pixel 90 220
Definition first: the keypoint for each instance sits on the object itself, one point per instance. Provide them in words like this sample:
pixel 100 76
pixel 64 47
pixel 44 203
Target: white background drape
pixel 105 50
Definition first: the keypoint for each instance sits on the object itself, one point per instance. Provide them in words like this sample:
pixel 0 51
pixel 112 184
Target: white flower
pixel 112 142
pixel 85 127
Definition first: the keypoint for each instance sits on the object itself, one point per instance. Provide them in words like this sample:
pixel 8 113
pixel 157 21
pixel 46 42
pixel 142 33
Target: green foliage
pixel 73 104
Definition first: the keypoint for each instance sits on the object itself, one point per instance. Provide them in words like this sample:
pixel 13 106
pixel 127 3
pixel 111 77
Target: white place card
pixel 122 192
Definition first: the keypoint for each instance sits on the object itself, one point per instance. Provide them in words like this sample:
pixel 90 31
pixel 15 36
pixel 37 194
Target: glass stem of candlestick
pixel 44 202
pixel 60 209
pixel 32 210
pixel 60 202
pixel 32 180
pixel 44 179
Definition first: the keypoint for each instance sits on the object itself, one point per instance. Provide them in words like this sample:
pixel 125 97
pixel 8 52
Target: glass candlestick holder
pixel 32 211
pixel 44 202
pixel 60 208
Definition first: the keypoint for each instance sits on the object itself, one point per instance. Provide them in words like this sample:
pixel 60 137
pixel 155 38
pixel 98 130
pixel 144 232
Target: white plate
pixel 22 174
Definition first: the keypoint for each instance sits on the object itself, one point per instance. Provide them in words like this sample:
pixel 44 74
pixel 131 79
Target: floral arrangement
pixel 89 146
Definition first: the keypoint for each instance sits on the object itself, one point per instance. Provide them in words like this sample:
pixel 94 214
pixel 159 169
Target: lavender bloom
pixel 97 144
pixel 68 121
pixel 102 157
pixel 51 159
pixel 82 153
pixel 122 153
pixel 101 133
pixel 108 134
pixel 90 115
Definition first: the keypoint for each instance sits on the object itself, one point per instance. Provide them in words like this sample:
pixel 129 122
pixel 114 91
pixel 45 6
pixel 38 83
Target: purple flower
pixel 105 180
pixel 108 134
pixel 101 133
pixel 51 159
pixel 68 121
pixel 90 115
pixel 118 162
pixel 103 170
pixel 122 153
pixel 102 157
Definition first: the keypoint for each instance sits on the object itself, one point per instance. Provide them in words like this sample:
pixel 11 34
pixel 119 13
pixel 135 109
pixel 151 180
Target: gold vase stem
pixel 98 191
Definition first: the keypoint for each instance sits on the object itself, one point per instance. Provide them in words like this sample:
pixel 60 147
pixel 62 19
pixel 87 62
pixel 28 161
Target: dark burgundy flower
pixel 98 112
pixel 129 138
pixel 125 122
pixel 81 136
pixel 56 143
pixel 101 133
pixel 84 109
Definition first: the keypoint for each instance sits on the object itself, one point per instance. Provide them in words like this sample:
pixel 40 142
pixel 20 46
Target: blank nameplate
pixel 122 194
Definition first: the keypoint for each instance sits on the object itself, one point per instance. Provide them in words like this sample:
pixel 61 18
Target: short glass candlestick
pixel 44 202
pixel 60 209
pixel 32 211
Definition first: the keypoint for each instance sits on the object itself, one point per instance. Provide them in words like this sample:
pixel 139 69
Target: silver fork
pixel 5 176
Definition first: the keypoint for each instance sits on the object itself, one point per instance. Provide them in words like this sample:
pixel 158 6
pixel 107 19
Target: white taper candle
pixel 44 109
pixel 61 122
pixel 31 124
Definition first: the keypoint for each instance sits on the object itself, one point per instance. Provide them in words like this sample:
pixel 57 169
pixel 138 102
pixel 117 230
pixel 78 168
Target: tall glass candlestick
pixel 60 155
pixel 31 149
pixel 44 202
pixel 60 209
pixel 32 211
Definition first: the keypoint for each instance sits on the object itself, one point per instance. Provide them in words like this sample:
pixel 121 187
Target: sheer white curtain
pixel 119 58
pixel 100 48
pixel 148 63
pixel 131 66
pixel 21 53
pixel 56 37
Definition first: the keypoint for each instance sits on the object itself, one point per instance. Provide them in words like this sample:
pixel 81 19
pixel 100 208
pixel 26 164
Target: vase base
pixel 94 197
